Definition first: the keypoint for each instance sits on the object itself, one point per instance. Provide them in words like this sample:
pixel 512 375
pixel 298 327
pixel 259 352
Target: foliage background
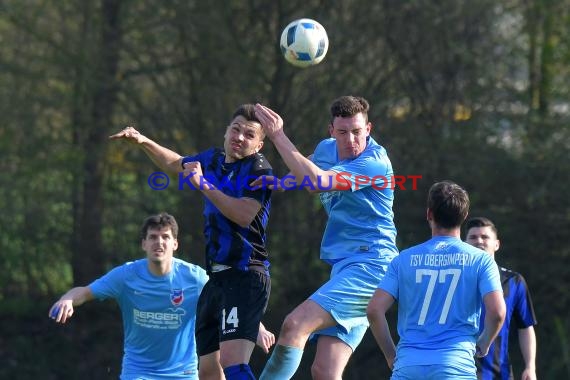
pixel 473 91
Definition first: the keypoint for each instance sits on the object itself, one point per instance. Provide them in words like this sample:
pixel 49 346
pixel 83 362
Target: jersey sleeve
pixel 201 277
pixel 389 283
pixel 203 158
pixel 523 314
pixel 489 276
pixel 260 167
pixel 110 285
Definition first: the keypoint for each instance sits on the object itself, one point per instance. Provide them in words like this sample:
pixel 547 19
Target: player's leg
pixel 235 355
pixel 207 334
pixel 331 358
pixel 301 322
pixel 245 299
pixel 335 345
pixel 295 331
pixel 210 368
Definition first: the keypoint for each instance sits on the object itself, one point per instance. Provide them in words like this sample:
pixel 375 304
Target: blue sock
pixel 282 364
pixel 239 372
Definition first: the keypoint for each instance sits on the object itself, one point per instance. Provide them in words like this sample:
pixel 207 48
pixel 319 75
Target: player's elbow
pixel 371 314
pixel 374 311
pixel 243 222
pixel 244 219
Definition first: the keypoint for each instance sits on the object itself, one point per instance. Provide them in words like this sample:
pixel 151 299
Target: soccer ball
pixel 304 42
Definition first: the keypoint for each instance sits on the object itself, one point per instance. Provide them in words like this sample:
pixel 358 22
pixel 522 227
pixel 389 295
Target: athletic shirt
pixel 496 365
pixel 159 316
pixel 360 219
pixel 439 286
pixel 227 243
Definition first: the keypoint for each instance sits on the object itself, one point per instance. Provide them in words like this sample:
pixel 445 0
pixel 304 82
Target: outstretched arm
pixel 527 343
pixel 63 308
pixel 166 159
pixel 379 304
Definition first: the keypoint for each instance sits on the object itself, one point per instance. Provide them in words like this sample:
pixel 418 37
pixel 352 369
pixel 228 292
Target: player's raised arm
pixel 304 170
pixel 63 309
pixel 166 159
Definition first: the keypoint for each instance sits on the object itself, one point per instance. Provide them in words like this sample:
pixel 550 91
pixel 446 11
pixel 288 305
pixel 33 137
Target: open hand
pixel 130 134
pixel 265 339
pixel 270 121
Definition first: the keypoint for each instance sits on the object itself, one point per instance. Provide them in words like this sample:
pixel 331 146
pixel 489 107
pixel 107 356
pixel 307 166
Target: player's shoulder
pixel 374 148
pixel 132 266
pixel 325 147
pixel 204 156
pixel 325 154
pixel 260 162
pixel 211 154
pixel 375 156
pixel 127 271
pixel 189 269
pixel 511 275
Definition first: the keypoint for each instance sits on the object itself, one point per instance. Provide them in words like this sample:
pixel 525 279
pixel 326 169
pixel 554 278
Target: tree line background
pixel 472 91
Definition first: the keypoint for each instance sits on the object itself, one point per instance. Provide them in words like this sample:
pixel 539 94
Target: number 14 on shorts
pixel 230 320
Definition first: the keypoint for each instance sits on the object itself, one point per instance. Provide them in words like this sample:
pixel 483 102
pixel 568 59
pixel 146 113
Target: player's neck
pixel 451 232
pixel 160 268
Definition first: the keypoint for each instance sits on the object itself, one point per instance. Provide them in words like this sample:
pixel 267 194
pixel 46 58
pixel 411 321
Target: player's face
pixel 350 134
pixel 159 244
pixel 243 138
pixel 483 238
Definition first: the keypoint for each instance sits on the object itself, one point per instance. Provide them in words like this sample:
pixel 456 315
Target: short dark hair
pixel 248 112
pixel 348 106
pixel 161 220
pixel 449 204
pixel 479 221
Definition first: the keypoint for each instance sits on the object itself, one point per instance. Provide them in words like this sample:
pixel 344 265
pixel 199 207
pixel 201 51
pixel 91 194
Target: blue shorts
pixel 432 372
pixel 346 295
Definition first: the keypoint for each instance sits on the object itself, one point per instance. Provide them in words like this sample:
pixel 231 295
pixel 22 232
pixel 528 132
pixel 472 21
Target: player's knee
pixel 210 371
pixel 320 371
pixel 291 325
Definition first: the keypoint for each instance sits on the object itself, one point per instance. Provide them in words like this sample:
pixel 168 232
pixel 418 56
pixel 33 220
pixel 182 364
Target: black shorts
pixel 230 307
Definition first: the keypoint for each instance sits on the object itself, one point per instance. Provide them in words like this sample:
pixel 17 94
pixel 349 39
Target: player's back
pixel 441 284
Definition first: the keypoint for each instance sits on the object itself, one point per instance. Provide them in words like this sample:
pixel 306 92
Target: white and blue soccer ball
pixel 304 42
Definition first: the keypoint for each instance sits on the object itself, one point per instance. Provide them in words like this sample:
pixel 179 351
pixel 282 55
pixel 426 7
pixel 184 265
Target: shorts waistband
pixel 222 268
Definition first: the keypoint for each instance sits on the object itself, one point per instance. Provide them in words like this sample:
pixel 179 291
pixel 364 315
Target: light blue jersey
pixel 159 314
pixel 360 220
pixel 439 286
pixel 359 239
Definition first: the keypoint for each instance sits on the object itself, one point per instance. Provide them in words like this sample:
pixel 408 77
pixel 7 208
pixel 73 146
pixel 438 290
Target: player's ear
pixel 175 245
pixel 331 129
pixel 368 128
pixel 497 245
pixel 259 146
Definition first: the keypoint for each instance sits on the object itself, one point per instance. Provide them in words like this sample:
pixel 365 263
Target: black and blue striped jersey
pixel 227 243
pixel 520 314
